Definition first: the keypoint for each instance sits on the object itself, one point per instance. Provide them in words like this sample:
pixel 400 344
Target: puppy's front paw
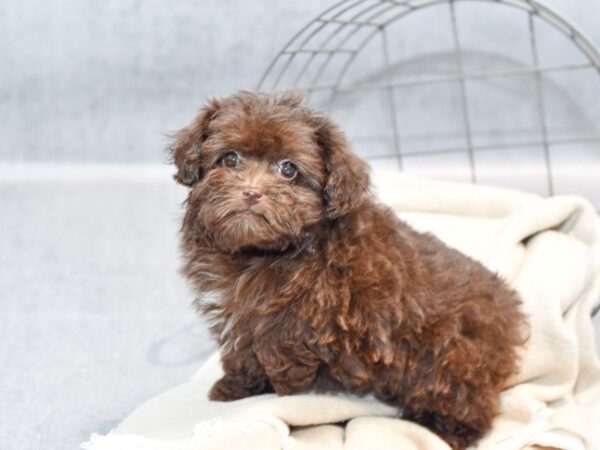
pixel 229 388
pixel 225 390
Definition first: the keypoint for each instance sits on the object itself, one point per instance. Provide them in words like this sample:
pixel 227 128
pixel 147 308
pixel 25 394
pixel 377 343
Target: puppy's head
pixel 262 170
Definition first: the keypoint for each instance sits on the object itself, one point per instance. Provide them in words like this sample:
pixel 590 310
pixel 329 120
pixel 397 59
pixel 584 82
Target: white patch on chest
pixel 211 302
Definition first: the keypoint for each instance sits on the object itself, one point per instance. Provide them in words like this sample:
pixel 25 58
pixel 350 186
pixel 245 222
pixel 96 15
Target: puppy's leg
pixel 244 377
pixel 293 379
pixel 460 424
pixel 290 370
pixel 458 435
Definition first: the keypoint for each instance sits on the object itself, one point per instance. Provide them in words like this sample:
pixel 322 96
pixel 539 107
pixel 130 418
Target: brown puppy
pixel 313 285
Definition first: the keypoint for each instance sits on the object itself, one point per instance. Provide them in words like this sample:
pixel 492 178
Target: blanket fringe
pixel 113 441
pixel 202 431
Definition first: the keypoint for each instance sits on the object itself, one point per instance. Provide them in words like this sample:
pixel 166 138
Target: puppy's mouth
pixel 249 230
pixel 257 252
pixel 249 212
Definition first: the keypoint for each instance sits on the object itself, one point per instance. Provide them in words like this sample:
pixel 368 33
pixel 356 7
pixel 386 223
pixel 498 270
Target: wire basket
pixel 493 91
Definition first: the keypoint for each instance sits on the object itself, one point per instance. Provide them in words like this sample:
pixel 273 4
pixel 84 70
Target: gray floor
pixel 94 318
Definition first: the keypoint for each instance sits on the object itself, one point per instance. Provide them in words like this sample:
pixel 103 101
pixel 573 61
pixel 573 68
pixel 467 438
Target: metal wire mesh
pixel 320 56
pixel 319 60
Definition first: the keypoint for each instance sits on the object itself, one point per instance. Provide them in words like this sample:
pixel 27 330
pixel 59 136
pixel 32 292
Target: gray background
pixel 94 317
pixel 102 81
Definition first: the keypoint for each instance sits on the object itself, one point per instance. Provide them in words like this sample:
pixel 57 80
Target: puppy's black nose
pixel 251 196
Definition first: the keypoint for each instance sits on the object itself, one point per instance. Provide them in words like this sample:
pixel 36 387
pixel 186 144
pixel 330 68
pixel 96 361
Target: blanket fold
pixel 547 249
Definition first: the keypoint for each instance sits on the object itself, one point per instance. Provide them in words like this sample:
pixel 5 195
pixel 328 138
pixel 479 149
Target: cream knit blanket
pixel 548 249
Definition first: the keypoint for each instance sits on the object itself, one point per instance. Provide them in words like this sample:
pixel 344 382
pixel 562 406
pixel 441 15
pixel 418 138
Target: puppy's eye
pixel 230 159
pixel 288 169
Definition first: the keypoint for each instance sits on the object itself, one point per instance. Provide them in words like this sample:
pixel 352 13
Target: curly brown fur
pixel 310 284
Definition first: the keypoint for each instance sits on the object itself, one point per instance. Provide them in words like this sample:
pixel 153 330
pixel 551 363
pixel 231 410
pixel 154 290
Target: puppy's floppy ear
pixel 347 175
pixel 185 151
